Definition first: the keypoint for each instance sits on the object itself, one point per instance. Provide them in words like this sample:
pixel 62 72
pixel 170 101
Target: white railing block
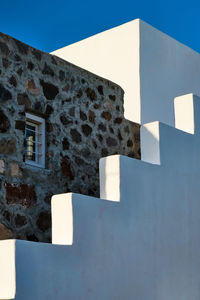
pixel 62 219
pixel 150 143
pixel 7 269
pixel 109 171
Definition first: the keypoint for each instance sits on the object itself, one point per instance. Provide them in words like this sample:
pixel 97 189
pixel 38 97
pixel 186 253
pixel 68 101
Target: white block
pixel 150 66
pixel 7 269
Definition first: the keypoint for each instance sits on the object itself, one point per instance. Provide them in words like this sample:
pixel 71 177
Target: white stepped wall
pixel 144 246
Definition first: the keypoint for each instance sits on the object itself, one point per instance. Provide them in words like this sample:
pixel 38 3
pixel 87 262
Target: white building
pixel 150 66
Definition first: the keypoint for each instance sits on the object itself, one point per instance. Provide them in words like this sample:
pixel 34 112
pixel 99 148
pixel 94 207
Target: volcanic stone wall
pixel 84 122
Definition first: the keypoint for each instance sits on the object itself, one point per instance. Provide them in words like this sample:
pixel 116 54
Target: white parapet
pixel 62 219
pixel 7 269
pixel 143 244
pixel 150 142
pixel 187 113
pixel 150 66
pixel 109 171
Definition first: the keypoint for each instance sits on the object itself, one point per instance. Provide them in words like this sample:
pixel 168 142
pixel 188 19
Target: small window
pixel 35 140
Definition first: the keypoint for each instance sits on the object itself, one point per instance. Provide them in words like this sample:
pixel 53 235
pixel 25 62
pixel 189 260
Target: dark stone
pixel 38 106
pixel 17 57
pixel 129 143
pixel 76 136
pixel 119 135
pixel 91 193
pixel 19 71
pixel 100 89
pixel 30 66
pixel 83 116
pixel 126 129
pixel 85 152
pixel 72 80
pixel 4 48
pixel 61 75
pixel 100 138
pixel 92 116
pixel 64 120
pixel 66 167
pixel 65 144
pixel 72 111
pixel 7 146
pixel 53 60
pixel 131 154
pixel 111 142
pixel 83 81
pixel 37 54
pixel 96 106
pixel 13 81
pixel 117 108
pixel 111 129
pixel 47 70
pixel 23 99
pixel 79 94
pixel 50 91
pixel 4 122
pixel 47 198
pixel 118 120
pixel 137 137
pixel 4 93
pixel 112 97
pixel 5 232
pixel 23 48
pixel 32 238
pixel 86 129
pixel 20 125
pixel 6 214
pixel 20 220
pixel 22 194
pixel 67 100
pixel 102 127
pixel 49 127
pixel 22 113
pixel 79 161
pixel 6 63
pixel 104 152
pixel 49 110
pixel 94 144
pixel 44 221
pixel 91 94
pixel 106 115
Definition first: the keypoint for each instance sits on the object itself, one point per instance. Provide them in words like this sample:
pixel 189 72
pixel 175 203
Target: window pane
pixel 30 142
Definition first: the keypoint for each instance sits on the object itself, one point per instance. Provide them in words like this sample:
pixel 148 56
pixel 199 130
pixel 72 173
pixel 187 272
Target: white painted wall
pixel 150 66
pixel 145 246
pixel 113 54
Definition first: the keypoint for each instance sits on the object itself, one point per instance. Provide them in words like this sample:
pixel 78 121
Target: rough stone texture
pixel 22 194
pixel 4 122
pixel 84 122
pixel 14 169
pixel 5 233
pixel 2 166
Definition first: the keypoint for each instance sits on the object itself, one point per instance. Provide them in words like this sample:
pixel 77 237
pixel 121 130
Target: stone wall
pixel 84 122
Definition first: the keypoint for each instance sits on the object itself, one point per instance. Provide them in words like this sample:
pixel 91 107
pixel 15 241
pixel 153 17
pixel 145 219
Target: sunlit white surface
pixel 151 67
pixel 7 269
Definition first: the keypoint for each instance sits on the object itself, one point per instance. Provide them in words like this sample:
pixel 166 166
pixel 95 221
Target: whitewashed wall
pixel 142 245
pixel 150 66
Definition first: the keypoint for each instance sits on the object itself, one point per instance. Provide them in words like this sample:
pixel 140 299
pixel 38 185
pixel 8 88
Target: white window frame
pixel 39 124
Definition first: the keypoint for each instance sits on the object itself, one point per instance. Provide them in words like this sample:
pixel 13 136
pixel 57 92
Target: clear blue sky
pixel 52 24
